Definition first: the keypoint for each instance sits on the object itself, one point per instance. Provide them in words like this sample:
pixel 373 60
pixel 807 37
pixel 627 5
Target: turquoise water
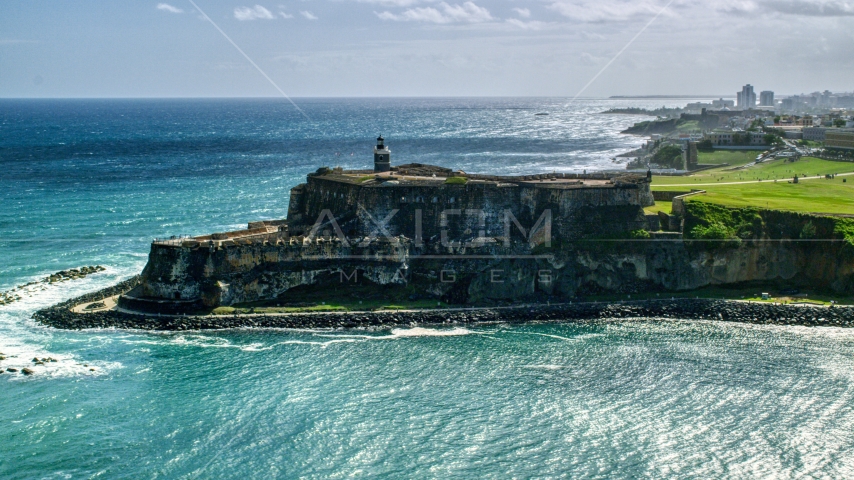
pixel 91 182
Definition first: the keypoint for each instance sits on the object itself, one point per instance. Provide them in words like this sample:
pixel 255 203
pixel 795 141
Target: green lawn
pixel 337 306
pixel 813 195
pixel 733 157
pixel 688 126
pixel 735 292
pixel 769 170
pixel 456 180
pixel 665 207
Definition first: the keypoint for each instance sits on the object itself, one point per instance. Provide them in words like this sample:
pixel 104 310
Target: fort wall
pixel 578 211
pixel 257 269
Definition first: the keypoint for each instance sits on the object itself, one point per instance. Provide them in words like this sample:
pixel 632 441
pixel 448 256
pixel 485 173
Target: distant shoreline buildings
pixel 746 98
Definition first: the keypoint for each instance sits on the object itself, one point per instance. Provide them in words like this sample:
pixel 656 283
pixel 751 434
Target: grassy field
pixel 456 181
pixel 343 298
pixel 767 185
pixel 746 293
pixel 813 196
pixel 733 157
pixel 689 126
pixel 769 170
pixel 336 306
pixel 665 207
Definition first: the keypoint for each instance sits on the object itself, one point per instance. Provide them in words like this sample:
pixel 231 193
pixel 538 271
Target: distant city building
pixel 721 103
pixel 684 138
pixel 816 134
pixel 788 104
pixel 842 139
pixel 806 121
pixel 729 138
pixel 746 97
pixel 698 106
pixel 766 99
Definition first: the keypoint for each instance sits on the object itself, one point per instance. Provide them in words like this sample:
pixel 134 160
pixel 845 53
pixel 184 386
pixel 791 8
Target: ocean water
pixel 85 182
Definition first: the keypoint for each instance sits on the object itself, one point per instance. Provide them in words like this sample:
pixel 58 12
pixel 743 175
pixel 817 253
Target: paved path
pixel 109 304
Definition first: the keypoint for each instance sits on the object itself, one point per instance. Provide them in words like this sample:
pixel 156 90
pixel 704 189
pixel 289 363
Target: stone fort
pixel 381 222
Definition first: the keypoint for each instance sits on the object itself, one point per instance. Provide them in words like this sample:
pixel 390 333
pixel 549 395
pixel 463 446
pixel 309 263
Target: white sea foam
pixel 578 338
pixel 20 355
pixel 213 341
pixel 205 341
pixel 21 340
pixel 428 332
pixel 398 333
pixel 544 367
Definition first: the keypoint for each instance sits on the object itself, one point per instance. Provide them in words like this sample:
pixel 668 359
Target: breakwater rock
pixel 60 316
pixel 13 295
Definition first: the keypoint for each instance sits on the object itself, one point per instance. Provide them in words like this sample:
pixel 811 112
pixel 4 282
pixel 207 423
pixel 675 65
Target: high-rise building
pixel 766 99
pixel 746 97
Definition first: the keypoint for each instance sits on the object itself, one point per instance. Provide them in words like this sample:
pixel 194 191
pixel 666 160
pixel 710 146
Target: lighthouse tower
pixel 382 156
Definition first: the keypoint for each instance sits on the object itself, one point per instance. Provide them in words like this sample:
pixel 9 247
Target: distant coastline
pixel 643 97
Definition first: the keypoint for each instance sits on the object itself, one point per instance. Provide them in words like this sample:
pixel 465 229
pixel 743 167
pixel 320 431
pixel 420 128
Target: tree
pixel 739 139
pixel 770 138
pixel 839 122
pixel 808 231
pixel 705 144
pixel 669 156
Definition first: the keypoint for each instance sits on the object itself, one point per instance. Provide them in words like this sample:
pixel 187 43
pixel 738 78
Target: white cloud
pixel 523 12
pixel 530 25
pixel 468 12
pixel 285 15
pixel 736 6
pixel 813 8
pixel 589 60
pixel 308 15
pixel 253 13
pixel 808 8
pixel 603 10
pixel 390 3
pixel 168 8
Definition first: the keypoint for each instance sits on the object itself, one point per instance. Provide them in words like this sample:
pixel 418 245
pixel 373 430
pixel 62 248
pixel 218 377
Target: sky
pixel 377 48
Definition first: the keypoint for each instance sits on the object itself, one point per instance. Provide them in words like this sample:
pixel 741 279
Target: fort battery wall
pixel 580 206
pixel 183 276
pixel 211 273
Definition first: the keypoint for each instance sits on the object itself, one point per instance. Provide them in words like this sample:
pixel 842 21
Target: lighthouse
pixel 382 156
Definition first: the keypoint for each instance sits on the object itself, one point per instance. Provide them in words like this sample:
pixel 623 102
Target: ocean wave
pixel 20 355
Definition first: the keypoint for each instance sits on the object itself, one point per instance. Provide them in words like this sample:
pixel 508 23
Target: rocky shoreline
pixel 60 315
pixel 13 295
